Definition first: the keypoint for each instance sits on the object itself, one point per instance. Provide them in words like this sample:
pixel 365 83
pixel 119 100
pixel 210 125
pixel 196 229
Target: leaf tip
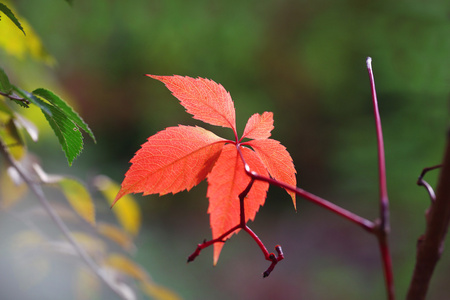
pixel 119 195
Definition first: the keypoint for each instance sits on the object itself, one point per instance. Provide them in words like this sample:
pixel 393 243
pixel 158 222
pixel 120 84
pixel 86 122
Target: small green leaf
pixel 65 108
pixel 10 15
pixel 5 85
pixel 69 136
pixel 70 2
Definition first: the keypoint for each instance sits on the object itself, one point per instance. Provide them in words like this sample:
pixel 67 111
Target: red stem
pixel 379 229
pixel 384 227
pixel 242 225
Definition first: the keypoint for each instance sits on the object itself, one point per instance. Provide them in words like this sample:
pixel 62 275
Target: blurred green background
pixel 303 60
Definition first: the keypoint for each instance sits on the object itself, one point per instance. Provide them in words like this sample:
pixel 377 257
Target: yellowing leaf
pixel 93 246
pixel 158 292
pixel 116 235
pixel 126 266
pixel 77 195
pixel 78 198
pixel 126 210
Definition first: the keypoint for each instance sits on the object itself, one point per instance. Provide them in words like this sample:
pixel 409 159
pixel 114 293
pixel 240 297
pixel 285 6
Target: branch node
pixel 274 259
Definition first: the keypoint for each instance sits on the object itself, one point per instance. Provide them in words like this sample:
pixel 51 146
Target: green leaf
pixel 69 136
pixel 65 108
pixel 63 120
pixel 10 15
pixel 70 2
pixel 5 85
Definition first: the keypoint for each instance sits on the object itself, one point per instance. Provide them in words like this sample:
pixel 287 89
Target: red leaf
pixel 226 181
pixel 172 160
pixel 203 98
pixel 259 126
pixel 277 160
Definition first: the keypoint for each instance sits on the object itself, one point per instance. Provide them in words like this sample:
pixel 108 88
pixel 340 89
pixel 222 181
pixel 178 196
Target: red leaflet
pixel 259 126
pixel 277 161
pixel 226 181
pixel 178 158
pixel 203 98
pixel 172 160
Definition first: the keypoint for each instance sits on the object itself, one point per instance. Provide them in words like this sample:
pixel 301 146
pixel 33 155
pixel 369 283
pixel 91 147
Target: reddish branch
pixel 383 227
pixel 221 239
pixel 379 228
pixel 431 245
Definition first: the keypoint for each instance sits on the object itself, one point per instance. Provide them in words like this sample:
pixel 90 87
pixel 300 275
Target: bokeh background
pixel 303 60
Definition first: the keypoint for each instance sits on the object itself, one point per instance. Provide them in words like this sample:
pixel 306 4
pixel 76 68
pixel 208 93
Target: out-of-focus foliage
pixel 20 45
pixel 5 9
pixel 303 60
pixel 40 255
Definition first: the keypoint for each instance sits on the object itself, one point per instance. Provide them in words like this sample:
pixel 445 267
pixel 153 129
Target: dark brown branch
pixel 430 245
pixel 15 97
pixel 422 182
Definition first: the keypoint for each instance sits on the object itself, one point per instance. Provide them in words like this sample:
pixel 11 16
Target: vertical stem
pixel 384 225
pixel 384 202
pixel 431 244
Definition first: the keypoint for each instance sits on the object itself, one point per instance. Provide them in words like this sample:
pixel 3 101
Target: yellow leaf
pixel 127 210
pixel 158 292
pixel 16 44
pixel 93 246
pixel 126 266
pixel 79 198
pixel 117 235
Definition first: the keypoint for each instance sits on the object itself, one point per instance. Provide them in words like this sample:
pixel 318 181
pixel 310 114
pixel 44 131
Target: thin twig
pixel 39 193
pixel 364 223
pixel 242 225
pixel 15 97
pixel 384 226
pixel 422 182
